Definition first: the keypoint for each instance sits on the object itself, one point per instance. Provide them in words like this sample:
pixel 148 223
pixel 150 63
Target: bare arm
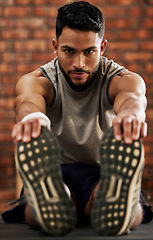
pixel 33 93
pixel 128 92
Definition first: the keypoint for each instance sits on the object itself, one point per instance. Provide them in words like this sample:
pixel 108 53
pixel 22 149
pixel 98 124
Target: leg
pixel 116 203
pixel 39 167
pixel 30 219
pixel 138 216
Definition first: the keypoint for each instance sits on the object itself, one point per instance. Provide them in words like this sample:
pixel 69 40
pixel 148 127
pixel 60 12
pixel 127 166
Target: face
pixel 79 54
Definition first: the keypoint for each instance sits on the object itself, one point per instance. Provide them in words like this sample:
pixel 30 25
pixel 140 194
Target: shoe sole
pixel 38 163
pixel 119 190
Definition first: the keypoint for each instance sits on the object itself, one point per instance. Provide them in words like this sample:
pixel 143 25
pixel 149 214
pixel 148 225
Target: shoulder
pixel 126 81
pixel 110 68
pixel 34 83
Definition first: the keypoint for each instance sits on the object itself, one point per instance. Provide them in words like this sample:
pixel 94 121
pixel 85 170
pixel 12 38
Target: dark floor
pixel 22 232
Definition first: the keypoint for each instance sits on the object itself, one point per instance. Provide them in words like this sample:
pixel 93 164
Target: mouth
pixel 78 75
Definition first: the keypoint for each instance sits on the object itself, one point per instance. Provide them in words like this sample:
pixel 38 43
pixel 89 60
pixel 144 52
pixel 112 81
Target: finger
pixel 19 131
pixel 27 132
pixel 136 129
pixel 117 128
pixel 143 130
pixel 36 128
pixel 14 134
pixel 127 129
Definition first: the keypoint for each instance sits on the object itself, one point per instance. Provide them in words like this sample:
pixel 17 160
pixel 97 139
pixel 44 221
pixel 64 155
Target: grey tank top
pixel 79 119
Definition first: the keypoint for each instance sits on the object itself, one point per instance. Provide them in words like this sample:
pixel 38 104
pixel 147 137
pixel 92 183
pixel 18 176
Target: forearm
pixel 131 104
pixel 130 116
pixel 23 106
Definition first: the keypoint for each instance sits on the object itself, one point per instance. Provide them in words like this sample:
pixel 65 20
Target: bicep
pixel 35 84
pixel 126 87
pixel 126 82
pixel 32 94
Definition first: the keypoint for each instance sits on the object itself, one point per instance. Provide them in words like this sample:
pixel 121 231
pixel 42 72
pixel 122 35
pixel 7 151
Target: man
pixel 82 97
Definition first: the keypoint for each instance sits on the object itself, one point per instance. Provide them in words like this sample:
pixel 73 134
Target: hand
pixel 26 130
pixel 128 127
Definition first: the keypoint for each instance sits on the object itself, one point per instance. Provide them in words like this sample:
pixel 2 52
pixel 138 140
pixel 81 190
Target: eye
pixel 68 51
pixel 89 52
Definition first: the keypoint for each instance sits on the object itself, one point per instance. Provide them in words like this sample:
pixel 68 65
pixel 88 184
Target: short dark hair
pixel 80 15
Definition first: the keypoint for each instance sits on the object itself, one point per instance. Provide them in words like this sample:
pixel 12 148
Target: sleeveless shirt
pixel 79 119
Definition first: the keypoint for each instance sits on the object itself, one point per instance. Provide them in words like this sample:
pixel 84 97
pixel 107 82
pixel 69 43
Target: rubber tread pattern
pixel 38 163
pixel 121 169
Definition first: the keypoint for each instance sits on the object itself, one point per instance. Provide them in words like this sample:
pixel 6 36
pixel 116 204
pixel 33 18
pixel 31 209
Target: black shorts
pixel 81 179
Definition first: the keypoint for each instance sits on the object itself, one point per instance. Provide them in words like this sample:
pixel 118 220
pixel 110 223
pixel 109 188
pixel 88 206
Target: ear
pixel 103 46
pixel 55 45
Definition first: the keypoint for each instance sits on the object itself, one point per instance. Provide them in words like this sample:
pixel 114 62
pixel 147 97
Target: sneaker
pixel 38 163
pixel 119 192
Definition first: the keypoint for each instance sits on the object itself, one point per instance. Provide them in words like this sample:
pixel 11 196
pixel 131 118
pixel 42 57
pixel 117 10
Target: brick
pixel 23 2
pixel 17 57
pixel 139 56
pixel 6 161
pixel 7 195
pixel 134 67
pixel 149 67
pixel 30 45
pixel 51 24
pixel 150 115
pixel 5 125
pixel 147 23
pixel 9 171
pixel 5 68
pixel 123 2
pixel 137 34
pixel 16 11
pixel 6 23
pixel 15 34
pixel 10 78
pixel 135 11
pixel 6 113
pixel 45 11
pixel 6 45
pixel 7 104
pixel 45 34
pixel 147 45
pixel 23 68
pixel 62 2
pixel 116 56
pixel 31 23
pixel 149 11
pixel 111 36
pixel 113 12
pixel 123 46
pixel 36 2
pixel 9 2
pixel 121 23
pixel 39 56
pixel 7 91
pixel 6 136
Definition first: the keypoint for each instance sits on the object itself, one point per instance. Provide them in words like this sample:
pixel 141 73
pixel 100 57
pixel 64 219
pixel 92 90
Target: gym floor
pixel 23 231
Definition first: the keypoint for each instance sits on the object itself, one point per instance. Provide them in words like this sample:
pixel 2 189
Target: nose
pixel 79 61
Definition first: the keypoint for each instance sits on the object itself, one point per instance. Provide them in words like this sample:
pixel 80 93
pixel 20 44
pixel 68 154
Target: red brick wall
pixel 26 30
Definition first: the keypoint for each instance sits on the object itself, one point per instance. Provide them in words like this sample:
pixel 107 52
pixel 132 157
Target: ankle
pixel 29 217
pixel 138 217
